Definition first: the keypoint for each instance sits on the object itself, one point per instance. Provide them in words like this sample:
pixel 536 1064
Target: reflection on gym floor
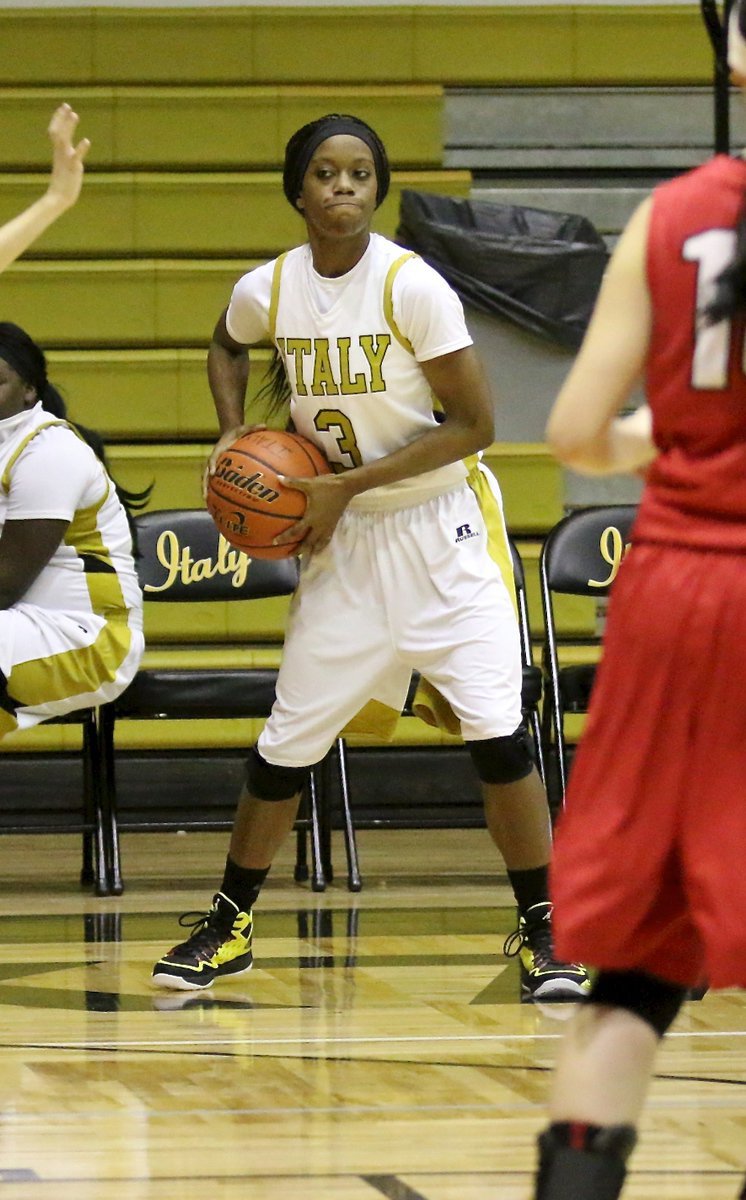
pixel 377 1048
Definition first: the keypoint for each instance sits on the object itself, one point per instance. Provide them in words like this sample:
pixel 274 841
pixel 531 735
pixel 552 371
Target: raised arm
pixel 63 190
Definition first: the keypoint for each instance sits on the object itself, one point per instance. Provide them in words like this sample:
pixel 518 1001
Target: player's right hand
pixel 225 440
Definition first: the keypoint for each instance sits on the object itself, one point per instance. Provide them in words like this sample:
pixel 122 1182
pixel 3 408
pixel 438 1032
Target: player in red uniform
pixel 648 878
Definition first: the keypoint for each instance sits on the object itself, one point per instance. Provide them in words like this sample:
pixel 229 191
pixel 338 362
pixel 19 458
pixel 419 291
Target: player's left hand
pixel 327 497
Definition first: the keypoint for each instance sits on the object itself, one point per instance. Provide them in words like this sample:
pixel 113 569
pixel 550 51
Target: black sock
pixel 242 884
pixel 530 887
pixel 578 1161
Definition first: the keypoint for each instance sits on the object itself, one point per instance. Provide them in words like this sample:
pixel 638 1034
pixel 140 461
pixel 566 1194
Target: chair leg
pixel 101 876
pixel 109 800
pixel 325 816
pixel 354 882
pixel 300 873
pixel 550 755
pixel 318 879
pixel 558 724
pixel 90 808
pixel 538 746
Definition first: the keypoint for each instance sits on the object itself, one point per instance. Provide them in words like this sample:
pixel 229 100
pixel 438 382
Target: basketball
pixel 246 500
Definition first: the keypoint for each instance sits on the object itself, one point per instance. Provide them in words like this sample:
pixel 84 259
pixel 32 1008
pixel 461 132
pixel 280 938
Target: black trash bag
pixel 540 269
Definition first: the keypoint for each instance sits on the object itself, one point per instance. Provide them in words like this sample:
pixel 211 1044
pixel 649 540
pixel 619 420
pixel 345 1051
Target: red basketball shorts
pixel 649 869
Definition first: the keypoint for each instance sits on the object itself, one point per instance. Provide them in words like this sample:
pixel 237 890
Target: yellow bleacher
pixel 453 44
pixel 188 111
pixel 133 127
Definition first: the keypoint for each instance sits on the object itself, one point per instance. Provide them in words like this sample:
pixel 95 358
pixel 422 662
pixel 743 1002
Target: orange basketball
pixel 246 500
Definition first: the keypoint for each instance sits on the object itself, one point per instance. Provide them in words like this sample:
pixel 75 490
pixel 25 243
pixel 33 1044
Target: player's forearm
pixel 228 376
pixel 624 446
pixel 450 442
pixel 21 231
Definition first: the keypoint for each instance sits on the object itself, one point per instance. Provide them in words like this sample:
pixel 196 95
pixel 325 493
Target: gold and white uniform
pixel 417 574
pixel 75 638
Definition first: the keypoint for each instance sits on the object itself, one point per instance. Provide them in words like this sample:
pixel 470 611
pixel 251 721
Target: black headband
pixel 300 151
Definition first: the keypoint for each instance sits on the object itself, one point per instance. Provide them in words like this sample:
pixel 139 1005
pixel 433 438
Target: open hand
pixel 67 159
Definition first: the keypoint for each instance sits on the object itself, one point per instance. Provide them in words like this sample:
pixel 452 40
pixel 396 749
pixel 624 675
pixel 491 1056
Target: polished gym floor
pixel 377 1049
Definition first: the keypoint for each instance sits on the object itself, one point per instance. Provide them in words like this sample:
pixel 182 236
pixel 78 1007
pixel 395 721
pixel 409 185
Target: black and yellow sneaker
pixel 219 946
pixel 542 976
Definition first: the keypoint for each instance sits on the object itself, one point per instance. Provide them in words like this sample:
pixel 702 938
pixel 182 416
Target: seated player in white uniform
pixel 70 602
pixel 406 565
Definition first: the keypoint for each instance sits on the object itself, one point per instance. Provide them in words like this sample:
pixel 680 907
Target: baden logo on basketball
pixel 245 483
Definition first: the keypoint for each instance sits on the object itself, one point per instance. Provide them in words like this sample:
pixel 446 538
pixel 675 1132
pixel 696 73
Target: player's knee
pixel 503 759
pixel 267 781
pixel 654 1001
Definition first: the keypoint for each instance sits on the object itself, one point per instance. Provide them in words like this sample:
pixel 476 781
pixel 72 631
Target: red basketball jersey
pixel 696 380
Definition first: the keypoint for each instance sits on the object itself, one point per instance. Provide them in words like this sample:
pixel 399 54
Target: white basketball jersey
pixel 48 472
pixel 351 348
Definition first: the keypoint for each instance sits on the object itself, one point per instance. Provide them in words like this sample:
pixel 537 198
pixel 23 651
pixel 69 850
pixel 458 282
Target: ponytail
pixel 730 285
pixel 275 390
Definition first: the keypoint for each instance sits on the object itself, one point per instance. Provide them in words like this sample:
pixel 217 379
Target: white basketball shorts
pixel 57 662
pixel 395 591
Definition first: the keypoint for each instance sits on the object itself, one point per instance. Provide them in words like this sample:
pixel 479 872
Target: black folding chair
pixel 89 821
pixel 194 692
pixel 581 556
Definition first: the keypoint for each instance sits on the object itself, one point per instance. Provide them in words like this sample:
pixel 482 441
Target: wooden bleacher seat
pixel 192 213
pixel 143 395
pixel 158 128
pixel 111 303
pixel 529 477
pixel 458 44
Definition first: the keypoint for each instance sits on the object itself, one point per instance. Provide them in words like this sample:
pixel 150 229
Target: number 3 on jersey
pixel 711 251
pixel 332 419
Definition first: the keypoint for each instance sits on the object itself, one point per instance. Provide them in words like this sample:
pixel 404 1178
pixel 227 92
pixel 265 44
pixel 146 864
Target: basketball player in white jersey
pixel 70 603
pixel 406 564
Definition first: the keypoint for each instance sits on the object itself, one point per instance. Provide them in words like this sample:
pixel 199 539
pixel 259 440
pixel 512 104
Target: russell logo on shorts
pixel 464 532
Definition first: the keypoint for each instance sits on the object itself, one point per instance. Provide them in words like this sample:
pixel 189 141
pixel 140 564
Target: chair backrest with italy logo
pixel 182 556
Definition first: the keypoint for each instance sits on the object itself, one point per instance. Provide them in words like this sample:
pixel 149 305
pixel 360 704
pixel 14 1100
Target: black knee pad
pixel 652 1000
pixel 269 782
pixel 503 759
